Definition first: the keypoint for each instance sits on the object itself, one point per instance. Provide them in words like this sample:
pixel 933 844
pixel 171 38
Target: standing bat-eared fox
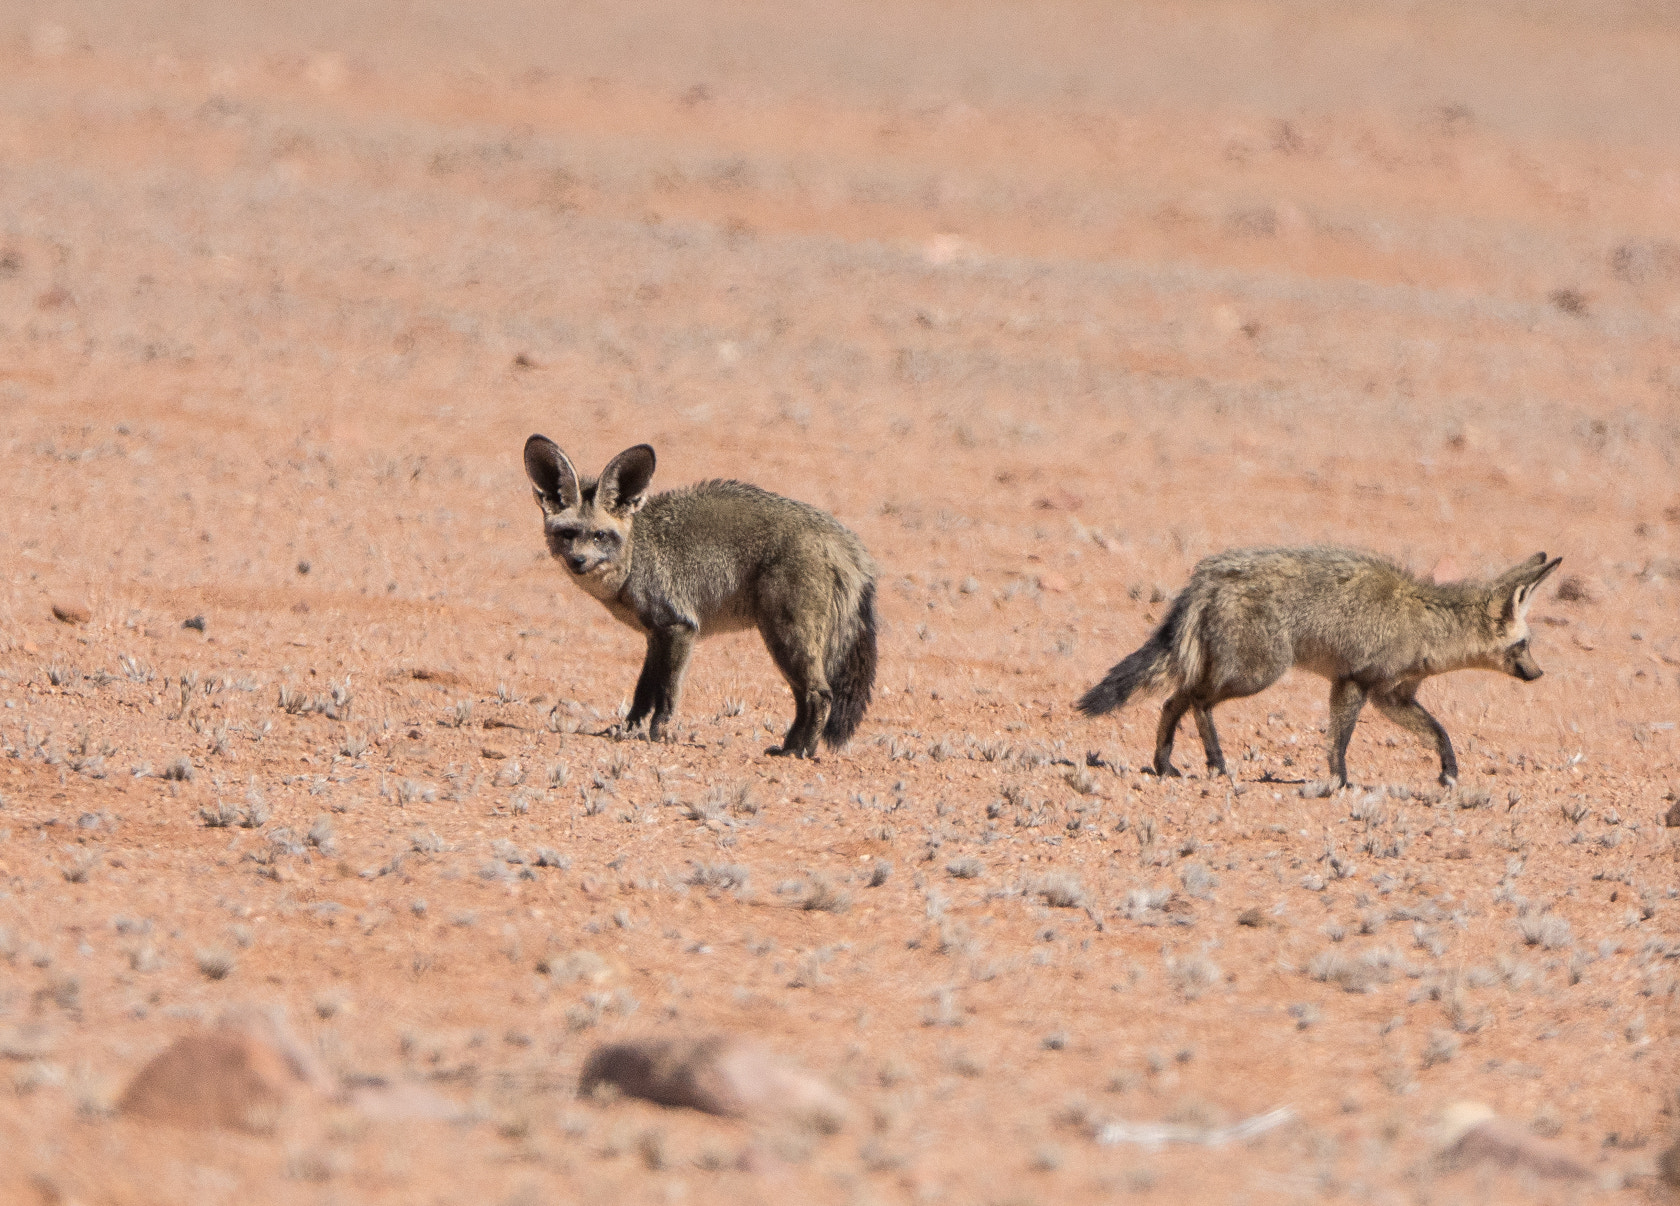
pixel 717 556
pixel 1361 621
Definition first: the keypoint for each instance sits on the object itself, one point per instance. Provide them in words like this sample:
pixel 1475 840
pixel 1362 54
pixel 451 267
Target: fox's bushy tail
pixel 1159 658
pixel 851 670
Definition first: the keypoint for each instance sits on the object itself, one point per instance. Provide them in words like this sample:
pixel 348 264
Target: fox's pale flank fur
pixel 1375 631
pixel 718 556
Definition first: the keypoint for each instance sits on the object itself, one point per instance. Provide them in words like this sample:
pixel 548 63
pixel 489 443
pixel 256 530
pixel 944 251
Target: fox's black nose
pixel 577 564
pixel 1529 673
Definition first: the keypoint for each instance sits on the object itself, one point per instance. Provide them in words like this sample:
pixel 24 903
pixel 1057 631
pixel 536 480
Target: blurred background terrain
pixel 1046 302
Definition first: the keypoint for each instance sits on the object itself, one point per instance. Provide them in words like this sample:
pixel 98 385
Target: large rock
pixel 721 1074
pixel 1472 1133
pixel 239 1074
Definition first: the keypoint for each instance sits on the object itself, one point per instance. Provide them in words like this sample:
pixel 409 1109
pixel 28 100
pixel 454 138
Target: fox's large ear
pixel 1522 580
pixel 624 481
pixel 550 472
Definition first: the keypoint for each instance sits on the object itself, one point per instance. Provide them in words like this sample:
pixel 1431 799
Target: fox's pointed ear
pixel 624 481
pixel 550 472
pixel 1522 581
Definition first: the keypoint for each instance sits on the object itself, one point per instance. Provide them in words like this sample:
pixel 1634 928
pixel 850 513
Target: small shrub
pixel 717 877
pixel 179 770
pixel 1062 892
pixel 1543 929
pixel 220 817
pixel 822 895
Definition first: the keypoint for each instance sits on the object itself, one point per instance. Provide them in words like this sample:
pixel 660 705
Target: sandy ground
pixel 1045 309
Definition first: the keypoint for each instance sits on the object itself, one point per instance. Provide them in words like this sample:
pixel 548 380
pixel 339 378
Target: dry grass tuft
pixel 822 895
pixel 1062 891
pixel 717 877
pixel 1543 929
pixel 1357 973
pixel 215 964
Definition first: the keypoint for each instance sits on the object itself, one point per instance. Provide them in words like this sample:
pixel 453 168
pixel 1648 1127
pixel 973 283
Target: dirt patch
pixel 296 711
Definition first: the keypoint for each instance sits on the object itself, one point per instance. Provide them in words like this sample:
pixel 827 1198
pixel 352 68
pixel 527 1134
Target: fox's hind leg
pixel 1210 739
pixel 1259 668
pixel 1171 713
pixel 801 662
pixel 1399 703
pixel 1346 698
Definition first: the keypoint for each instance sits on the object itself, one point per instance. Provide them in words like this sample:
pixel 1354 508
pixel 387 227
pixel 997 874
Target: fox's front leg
pixel 1346 698
pixel 1399 703
pixel 660 686
pixel 642 702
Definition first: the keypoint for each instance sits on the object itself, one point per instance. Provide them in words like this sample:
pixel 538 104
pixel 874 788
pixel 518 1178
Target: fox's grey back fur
pixel 1375 631
pixel 718 556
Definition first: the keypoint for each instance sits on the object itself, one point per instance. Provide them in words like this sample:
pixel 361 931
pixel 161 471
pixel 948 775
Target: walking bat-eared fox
pixel 718 556
pixel 1362 622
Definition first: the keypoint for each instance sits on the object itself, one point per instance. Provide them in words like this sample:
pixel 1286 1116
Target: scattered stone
pixel 26 1041
pixel 1152 1136
pixel 1671 818
pixel 238 1075
pixel 1668 1165
pixel 403 1103
pixel 1643 261
pixel 437 677
pixel 1576 589
pixel 721 1074
pixel 195 622
pixel 1471 1133
pixel 1253 918
pixel 492 752
pixel 71 613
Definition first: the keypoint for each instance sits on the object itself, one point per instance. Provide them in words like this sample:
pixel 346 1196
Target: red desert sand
pixel 297 714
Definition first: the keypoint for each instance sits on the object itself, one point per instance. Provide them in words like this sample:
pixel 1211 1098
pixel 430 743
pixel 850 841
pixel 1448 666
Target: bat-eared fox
pixel 1375 631
pixel 717 556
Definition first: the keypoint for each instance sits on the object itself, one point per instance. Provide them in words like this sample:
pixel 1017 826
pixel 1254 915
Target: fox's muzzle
pixel 1529 672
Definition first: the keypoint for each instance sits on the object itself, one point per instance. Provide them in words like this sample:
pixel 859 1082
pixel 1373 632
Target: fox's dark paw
pixel 1447 780
pixel 1169 771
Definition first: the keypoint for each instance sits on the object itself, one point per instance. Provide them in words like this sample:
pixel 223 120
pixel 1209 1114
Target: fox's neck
pixel 1462 636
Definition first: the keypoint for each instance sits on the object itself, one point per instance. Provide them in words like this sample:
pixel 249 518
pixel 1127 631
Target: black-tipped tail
pixel 1137 672
pixel 1141 670
pixel 853 680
